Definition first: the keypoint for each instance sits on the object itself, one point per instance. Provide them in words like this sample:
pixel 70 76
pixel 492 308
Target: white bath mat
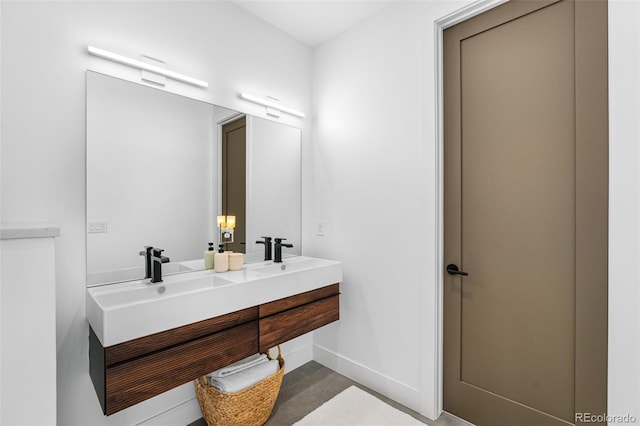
pixel 355 407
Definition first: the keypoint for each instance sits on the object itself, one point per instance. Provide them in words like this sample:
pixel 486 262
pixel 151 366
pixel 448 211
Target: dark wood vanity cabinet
pixel 284 319
pixel 133 371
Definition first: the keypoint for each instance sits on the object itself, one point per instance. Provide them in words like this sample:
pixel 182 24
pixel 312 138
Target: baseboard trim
pixel 182 414
pixel 379 382
pixel 455 419
pixel 297 356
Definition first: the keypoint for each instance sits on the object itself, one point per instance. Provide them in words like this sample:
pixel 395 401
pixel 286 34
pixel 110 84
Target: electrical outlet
pixel 97 227
pixel 320 229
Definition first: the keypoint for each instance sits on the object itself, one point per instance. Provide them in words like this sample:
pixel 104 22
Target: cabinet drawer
pixel 280 305
pixel 158 341
pixel 295 322
pixel 134 381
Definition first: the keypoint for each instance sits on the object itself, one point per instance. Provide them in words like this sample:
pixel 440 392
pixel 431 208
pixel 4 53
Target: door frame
pixel 460 15
pixel 449 20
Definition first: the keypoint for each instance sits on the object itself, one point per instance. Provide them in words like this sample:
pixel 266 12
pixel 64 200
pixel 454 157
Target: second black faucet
pixel 278 248
pixel 277 258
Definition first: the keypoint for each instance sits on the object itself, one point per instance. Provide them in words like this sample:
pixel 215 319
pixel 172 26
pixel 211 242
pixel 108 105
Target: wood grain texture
pixel 280 305
pixel 154 342
pixel 132 382
pixel 295 322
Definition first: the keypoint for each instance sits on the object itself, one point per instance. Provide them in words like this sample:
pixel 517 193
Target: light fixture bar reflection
pixel 270 104
pixel 144 66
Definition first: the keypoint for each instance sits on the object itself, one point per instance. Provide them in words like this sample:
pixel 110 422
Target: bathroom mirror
pixel 154 163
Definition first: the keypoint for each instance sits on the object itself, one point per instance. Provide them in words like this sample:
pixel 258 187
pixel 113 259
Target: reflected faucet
pixel 278 249
pixel 267 247
pixel 147 260
pixel 156 259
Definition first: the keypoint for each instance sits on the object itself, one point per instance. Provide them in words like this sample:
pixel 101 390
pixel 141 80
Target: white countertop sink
pixel 291 265
pixel 125 311
pixel 114 297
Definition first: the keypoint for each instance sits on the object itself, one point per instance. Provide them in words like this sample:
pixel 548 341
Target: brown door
pixel 525 332
pixel 234 178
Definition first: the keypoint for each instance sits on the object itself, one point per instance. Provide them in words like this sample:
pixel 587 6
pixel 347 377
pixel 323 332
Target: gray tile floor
pixel 311 385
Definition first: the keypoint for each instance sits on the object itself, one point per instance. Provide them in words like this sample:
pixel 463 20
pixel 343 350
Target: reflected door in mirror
pixel 234 154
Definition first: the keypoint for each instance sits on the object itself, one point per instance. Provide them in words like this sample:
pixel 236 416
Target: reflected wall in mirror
pixel 155 178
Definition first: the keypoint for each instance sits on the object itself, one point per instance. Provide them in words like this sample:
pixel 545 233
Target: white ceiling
pixel 313 21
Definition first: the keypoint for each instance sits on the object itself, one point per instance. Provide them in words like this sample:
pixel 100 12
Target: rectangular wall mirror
pixel 161 167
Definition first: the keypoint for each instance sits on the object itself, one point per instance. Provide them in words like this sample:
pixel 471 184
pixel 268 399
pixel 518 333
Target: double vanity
pixel 148 338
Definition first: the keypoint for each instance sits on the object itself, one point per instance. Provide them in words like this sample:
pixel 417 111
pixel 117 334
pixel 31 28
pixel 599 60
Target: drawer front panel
pixel 131 382
pixel 295 322
pixel 164 339
pixel 287 303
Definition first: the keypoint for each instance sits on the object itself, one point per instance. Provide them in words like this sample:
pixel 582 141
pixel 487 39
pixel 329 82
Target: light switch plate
pixel 97 227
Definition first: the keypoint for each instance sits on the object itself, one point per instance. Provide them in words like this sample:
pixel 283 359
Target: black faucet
pixel 157 259
pixel 278 249
pixel 267 247
pixel 147 260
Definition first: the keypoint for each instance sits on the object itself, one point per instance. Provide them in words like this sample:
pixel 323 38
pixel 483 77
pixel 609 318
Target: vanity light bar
pixel 144 66
pixel 271 104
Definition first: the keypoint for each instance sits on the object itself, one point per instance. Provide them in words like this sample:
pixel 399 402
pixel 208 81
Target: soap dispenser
pixel 209 257
pixel 221 260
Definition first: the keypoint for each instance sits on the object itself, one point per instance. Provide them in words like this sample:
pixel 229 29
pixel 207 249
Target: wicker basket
pixel 249 407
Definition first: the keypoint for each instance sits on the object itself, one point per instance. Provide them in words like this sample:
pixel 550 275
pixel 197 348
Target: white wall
pixel 44 61
pixel 624 209
pixel 375 191
pixel 374 176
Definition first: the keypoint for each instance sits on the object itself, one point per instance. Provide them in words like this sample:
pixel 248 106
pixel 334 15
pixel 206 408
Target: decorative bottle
pixel 221 260
pixel 209 257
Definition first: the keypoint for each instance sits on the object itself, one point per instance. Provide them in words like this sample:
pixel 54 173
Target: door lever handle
pixel 454 270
